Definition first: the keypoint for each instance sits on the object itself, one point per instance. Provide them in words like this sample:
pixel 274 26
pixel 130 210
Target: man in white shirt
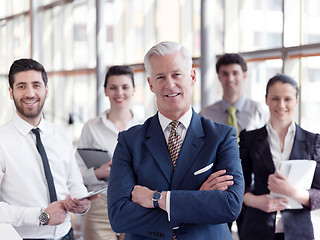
pixel 25 199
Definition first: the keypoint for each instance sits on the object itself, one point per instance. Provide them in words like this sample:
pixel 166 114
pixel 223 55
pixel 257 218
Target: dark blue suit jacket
pixel 257 159
pixel 142 157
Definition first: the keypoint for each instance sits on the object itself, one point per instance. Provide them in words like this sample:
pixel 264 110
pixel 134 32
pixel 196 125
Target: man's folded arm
pixel 125 215
pixel 214 206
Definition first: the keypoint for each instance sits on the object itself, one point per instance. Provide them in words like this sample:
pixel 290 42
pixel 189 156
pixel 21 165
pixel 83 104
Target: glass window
pixel 310 101
pixel 265 31
pixel 80 41
pixel 311 20
pixel 259 72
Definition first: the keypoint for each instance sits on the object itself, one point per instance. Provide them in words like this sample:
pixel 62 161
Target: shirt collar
pixel 184 120
pixel 238 104
pixel 291 129
pixel 24 127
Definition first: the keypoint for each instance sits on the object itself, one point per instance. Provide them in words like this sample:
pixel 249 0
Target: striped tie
pixel 174 146
pixel 174 143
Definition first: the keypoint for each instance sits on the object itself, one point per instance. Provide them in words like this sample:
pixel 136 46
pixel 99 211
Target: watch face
pixel 44 218
pixel 156 196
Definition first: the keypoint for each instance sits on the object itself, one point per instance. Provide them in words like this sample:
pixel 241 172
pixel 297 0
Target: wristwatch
pixel 43 218
pixel 156 197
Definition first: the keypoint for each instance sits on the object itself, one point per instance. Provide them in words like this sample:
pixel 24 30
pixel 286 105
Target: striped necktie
pixel 174 146
pixel 174 143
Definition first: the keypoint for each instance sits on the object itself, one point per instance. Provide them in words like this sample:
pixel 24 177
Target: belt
pixel 68 236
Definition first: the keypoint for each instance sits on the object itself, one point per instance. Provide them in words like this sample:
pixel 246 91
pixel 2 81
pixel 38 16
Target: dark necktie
pixel 46 166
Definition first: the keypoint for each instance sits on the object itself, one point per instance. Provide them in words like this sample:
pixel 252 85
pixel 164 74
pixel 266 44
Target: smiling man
pixel 177 176
pixel 38 172
pixel 232 73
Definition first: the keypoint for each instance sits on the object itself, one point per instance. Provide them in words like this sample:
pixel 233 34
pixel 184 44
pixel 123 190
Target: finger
pixel 223 188
pixel 271 177
pixel 216 174
pixel 94 197
pixel 224 184
pixel 225 178
pixel 280 175
pixel 216 177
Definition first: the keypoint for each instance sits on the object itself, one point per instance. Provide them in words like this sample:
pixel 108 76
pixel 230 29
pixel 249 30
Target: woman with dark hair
pixel 261 150
pixel 102 133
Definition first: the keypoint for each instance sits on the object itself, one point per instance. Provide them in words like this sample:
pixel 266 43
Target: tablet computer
pixel 94 157
pixel 92 193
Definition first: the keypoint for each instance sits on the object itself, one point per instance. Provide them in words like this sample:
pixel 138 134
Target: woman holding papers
pixel 262 151
pixel 101 133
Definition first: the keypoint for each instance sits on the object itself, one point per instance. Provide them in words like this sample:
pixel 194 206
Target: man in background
pixel 235 109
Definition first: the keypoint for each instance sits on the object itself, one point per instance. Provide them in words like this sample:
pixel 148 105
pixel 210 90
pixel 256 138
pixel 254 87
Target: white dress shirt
pixel 23 185
pixel 278 155
pixel 182 131
pixel 99 133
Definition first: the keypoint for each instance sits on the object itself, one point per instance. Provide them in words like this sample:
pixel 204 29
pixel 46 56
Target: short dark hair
pixel 283 79
pixel 231 58
pixel 26 64
pixel 119 70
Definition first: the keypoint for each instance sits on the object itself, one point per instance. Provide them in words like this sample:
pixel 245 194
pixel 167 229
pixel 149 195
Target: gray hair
pixel 167 48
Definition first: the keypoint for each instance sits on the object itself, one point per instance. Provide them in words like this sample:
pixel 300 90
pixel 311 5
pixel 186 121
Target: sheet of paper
pixel 300 174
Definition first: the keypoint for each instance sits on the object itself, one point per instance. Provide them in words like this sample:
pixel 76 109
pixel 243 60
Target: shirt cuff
pixel 168 204
pixel 32 216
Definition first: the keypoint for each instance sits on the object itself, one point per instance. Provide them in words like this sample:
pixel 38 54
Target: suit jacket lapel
pixel 263 149
pixel 157 146
pixel 300 146
pixel 191 147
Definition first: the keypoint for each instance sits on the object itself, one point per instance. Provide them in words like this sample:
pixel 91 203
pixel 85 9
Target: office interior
pixel 77 40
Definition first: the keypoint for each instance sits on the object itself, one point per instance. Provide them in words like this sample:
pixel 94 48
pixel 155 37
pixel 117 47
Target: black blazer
pixel 257 160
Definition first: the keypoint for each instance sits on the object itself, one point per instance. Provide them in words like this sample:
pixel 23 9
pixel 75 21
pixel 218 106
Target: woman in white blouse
pixel 101 133
pixel 261 151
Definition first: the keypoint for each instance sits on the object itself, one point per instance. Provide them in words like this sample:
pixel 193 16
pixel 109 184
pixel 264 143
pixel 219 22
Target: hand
pixel 57 213
pixel 217 182
pixel 103 171
pixel 142 196
pixel 265 203
pixel 77 206
pixel 278 183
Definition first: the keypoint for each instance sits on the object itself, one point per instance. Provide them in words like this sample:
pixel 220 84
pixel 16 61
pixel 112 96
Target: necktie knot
pixel 174 125
pixel 36 131
pixel 231 110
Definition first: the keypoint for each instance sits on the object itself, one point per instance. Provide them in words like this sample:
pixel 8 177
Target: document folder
pixel 300 174
pixel 94 157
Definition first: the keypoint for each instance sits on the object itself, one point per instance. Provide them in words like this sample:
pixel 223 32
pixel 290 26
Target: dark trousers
pixel 279 236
